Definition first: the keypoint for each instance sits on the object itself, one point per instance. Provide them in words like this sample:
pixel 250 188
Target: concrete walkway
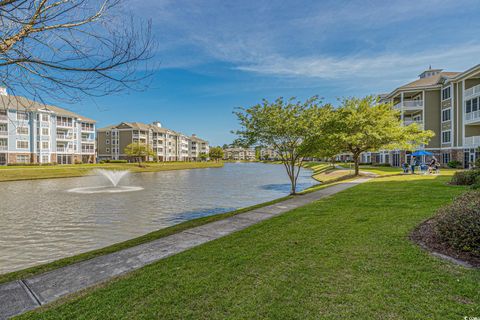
pixel 21 296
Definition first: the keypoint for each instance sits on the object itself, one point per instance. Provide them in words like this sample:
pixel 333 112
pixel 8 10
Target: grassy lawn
pixel 11 173
pixel 343 257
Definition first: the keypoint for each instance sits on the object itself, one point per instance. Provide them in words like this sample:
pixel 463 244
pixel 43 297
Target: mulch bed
pixel 425 236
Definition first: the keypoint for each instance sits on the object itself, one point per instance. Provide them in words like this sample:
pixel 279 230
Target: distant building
pixel 167 145
pixel 246 154
pixel 269 154
pixel 31 132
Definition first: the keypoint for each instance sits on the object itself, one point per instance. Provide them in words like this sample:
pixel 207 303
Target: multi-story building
pixel 31 132
pixel 167 145
pixel 269 154
pixel 247 154
pixel 448 103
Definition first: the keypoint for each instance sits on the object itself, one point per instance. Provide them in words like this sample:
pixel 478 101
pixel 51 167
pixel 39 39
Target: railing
pixel 3 133
pixel 3 117
pixel 472 141
pixel 472 91
pixel 87 129
pixel 64 124
pixel 409 104
pixel 90 151
pixel 409 122
pixel 3 148
pixel 90 140
pixel 472 116
pixel 64 137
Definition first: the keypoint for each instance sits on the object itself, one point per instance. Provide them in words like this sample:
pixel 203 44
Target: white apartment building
pixel 167 145
pixel 31 132
pixel 245 154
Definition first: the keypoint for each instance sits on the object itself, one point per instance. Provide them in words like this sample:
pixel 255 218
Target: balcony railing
pixel 472 141
pixel 473 91
pixel 3 117
pixel 408 122
pixel 3 148
pixel 64 137
pixel 409 105
pixel 64 124
pixel 84 139
pixel 472 116
pixel 87 129
pixel 3 133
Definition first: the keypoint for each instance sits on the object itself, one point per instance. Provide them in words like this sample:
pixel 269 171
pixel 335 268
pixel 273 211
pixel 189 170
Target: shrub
pixel 117 161
pixel 476 184
pixel 382 165
pixel 454 164
pixel 78 162
pixel 365 163
pixel 465 178
pixel 458 224
pixel 477 163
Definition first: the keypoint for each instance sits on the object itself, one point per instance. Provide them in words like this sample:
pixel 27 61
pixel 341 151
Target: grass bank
pixel 344 257
pixel 12 173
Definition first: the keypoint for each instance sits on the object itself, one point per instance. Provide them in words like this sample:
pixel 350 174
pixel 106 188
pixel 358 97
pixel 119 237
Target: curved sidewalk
pixel 20 296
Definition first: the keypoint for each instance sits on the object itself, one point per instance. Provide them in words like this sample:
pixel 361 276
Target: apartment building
pixel 269 154
pixel 247 154
pixel 167 145
pixel 448 103
pixel 31 132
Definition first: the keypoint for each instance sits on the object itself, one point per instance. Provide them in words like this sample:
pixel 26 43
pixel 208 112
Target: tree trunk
pixel 356 159
pixel 293 181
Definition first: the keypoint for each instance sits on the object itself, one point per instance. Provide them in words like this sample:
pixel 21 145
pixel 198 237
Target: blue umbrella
pixel 421 153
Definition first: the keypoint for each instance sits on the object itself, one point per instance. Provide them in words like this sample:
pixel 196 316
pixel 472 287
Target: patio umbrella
pixel 421 153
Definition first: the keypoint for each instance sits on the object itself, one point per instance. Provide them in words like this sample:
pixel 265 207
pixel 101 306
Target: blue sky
pixel 216 55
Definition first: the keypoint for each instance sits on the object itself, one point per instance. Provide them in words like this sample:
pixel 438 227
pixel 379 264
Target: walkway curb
pixel 17 297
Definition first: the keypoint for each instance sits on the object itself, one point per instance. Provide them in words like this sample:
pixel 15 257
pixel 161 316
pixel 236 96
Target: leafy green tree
pixel 139 151
pixel 284 125
pixel 216 153
pixel 364 124
pixel 203 157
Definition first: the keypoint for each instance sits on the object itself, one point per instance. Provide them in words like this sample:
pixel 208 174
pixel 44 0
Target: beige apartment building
pixel 448 103
pixel 245 154
pixel 167 145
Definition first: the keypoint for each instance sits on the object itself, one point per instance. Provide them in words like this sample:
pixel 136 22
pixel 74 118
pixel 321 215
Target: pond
pixel 41 221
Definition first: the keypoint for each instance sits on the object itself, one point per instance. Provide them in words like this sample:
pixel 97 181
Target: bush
pixel 465 178
pixel 365 163
pixel 117 161
pixel 382 165
pixel 477 163
pixel 78 162
pixel 458 224
pixel 454 164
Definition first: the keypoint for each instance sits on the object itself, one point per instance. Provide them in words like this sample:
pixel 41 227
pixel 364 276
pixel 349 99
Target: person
pixel 413 163
pixel 405 167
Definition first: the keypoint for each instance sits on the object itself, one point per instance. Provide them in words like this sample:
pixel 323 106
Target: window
pixel 475 106
pixel 23 158
pixel 45 159
pixel 445 158
pixel 108 149
pixel 45 117
pixel 107 141
pixel 446 114
pixel 21 144
pixel 45 145
pixel 468 106
pixel 22 130
pixel 446 93
pixel 446 136
pixel 45 132
pixel 22 116
pixel 108 133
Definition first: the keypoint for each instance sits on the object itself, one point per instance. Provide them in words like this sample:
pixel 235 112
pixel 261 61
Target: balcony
pixel 409 105
pixel 3 148
pixel 472 117
pixel 408 122
pixel 87 129
pixel 61 136
pixel 62 124
pixel 473 141
pixel 3 118
pixel 473 91
pixel 3 133
pixel 87 139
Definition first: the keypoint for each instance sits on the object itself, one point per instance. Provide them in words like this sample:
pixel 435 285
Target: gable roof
pixel 425 83
pixel 9 102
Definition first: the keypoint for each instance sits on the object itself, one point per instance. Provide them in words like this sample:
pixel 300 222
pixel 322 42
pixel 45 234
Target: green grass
pixel 12 173
pixel 344 257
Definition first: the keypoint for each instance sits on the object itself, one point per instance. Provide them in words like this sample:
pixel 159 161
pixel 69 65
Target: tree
pixel 364 124
pixel 203 157
pixel 286 126
pixel 216 153
pixel 66 49
pixel 139 151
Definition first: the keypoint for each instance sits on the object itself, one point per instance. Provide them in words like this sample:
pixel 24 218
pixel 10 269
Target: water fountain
pixel 114 176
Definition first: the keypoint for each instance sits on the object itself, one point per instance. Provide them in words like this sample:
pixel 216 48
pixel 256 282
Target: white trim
pixel 441 93
pixel 463 112
pixel 441 117
pixel 441 137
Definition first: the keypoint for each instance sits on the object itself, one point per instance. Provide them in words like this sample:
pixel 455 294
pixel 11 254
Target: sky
pixel 213 56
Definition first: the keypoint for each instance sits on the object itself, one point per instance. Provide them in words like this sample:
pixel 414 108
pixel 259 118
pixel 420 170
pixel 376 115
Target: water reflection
pixel 40 221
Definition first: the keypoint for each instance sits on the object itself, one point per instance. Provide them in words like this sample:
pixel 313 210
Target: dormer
pixel 429 73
